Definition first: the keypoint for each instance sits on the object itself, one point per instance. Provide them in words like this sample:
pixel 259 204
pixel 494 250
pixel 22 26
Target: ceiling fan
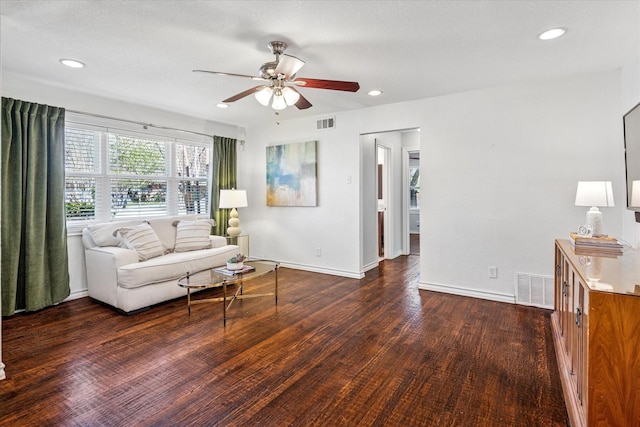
pixel 280 79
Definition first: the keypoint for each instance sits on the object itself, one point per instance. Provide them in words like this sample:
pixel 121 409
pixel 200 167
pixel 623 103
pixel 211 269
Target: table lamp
pixel 233 199
pixel 595 194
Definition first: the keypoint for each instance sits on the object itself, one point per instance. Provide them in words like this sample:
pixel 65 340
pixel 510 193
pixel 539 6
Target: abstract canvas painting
pixel 291 174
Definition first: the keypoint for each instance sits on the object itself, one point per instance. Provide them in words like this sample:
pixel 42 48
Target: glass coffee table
pixel 213 279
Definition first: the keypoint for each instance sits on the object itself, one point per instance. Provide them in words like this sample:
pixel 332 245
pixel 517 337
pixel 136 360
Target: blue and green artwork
pixel 291 174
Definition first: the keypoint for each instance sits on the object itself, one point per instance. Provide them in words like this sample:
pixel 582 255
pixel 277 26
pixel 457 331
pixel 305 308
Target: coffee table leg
pixel 224 303
pixel 189 301
pixel 276 286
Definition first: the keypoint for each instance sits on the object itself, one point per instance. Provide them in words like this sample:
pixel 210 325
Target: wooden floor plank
pixel 333 352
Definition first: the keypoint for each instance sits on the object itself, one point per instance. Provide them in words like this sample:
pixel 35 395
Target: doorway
pixel 413 185
pixel 388 211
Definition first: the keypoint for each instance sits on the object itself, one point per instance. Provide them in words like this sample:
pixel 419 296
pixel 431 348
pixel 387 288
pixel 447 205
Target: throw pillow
pixel 105 234
pixel 143 240
pixel 193 235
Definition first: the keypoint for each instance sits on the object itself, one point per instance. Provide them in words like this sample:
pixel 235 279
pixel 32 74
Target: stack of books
pixel 227 272
pixel 603 246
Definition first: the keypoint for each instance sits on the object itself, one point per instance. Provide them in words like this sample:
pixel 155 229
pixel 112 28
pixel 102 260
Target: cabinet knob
pixel 564 289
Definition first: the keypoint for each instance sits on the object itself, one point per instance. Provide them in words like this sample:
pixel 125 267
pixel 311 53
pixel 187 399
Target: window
pixel 82 167
pixel 112 175
pixel 414 187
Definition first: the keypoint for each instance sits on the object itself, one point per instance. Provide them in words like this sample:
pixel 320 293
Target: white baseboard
pixel 466 292
pixel 370 266
pixel 81 293
pixel 2 374
pixel 314 269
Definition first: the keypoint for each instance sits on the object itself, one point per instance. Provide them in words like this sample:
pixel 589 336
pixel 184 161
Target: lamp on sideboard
pixel 635 198
pixel 595 194
pixel 233 199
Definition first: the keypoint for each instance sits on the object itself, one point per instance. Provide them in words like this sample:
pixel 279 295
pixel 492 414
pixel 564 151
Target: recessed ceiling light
pixel 221 105
pixel 553 33
pixel 72 63
pixel 375 92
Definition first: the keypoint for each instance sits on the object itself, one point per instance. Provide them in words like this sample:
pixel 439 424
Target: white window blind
pixel 82 165
pixel 113 175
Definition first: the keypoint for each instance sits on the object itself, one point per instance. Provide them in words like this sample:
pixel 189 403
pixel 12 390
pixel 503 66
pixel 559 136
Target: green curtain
pixel 224 178
pixel 35 269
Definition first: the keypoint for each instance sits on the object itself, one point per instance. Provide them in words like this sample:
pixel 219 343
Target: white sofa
pixel 119 273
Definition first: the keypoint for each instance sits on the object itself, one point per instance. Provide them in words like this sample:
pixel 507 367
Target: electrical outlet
pixel 493 272
pixel 318 252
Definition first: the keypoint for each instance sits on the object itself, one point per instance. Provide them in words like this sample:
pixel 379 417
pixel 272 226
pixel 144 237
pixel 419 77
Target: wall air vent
pixel 329 123
pixel 535 290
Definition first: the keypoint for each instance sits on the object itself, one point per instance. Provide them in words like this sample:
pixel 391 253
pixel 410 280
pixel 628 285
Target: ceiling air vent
pixel 329 123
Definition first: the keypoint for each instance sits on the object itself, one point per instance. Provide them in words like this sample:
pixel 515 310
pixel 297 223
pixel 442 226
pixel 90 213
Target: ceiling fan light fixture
pixel 278 101
pixel 291 96
pixel 280 79
pixel 264 95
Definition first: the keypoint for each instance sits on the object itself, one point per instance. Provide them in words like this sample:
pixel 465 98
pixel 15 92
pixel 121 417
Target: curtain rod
pixel 145 125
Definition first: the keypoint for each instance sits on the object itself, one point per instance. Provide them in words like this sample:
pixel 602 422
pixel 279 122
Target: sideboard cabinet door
pixel 596 331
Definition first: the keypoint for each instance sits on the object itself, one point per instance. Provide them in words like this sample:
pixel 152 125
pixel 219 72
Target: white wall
pixel 292 234
pixel 500 178
pixel 500 168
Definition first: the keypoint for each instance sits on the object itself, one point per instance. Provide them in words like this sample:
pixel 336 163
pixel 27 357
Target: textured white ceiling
pixel 143 51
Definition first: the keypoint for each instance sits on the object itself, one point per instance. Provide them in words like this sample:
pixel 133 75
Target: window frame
pixel 175 204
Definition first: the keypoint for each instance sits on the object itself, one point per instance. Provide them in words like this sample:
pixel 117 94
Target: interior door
pixel 384 196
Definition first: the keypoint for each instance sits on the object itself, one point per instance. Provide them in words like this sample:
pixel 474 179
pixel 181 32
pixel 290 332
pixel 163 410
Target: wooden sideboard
pixel 596 331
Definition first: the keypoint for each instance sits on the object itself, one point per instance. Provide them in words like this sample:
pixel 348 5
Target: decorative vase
pixel 235 265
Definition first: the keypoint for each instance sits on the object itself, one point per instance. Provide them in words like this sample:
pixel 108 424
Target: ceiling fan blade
pixel 302 103
pixel 288 66
pixel 230 74
pixel 243 94
pixel 327 84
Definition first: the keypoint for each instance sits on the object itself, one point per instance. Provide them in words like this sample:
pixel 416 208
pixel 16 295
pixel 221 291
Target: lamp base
pixel 234 224
pixel 233 231
pixel 594 221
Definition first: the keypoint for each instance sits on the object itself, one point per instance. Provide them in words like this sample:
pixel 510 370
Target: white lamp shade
pixel 264 95
pixel 291 96
pixel 233 199
pixel 278 101
pixel 594 193
pixel 635 194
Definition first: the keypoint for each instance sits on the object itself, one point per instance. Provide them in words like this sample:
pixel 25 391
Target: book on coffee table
pixel 227 272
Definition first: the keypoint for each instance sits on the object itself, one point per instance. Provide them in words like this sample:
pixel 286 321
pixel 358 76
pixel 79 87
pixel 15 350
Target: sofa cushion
pixel 143 240
pixel 165 227
pixel 172 266
pixel 193 235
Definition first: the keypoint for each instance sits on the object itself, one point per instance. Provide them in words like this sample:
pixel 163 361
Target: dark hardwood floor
pixel 334 352
pixel 414 244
